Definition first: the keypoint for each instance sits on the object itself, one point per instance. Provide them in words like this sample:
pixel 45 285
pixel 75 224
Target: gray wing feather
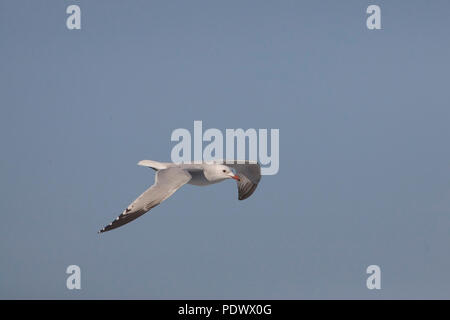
pixel 249 174
pixel 167 181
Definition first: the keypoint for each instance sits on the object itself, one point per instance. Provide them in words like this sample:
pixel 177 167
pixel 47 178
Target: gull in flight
pixel 171 176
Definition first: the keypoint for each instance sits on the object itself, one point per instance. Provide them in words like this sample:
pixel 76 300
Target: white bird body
pixel 198 171
pixel 172 176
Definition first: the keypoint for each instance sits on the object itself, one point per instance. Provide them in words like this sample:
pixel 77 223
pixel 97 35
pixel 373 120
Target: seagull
pixel 172 176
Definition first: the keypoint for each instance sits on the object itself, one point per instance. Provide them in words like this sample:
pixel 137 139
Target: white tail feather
pixel 153 164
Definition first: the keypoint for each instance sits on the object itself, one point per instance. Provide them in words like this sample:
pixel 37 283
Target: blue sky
pixel 364 159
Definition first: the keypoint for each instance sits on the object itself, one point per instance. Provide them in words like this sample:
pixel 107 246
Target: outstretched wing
pixel 249 173
pixel 167 181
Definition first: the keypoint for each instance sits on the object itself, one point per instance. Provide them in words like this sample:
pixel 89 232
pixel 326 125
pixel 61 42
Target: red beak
pixel 235 177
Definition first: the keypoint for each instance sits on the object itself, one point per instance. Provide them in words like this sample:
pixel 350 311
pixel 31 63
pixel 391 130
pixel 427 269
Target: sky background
pixel 364 148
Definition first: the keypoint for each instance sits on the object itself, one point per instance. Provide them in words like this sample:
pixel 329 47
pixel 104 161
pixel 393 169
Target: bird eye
pixel 224 170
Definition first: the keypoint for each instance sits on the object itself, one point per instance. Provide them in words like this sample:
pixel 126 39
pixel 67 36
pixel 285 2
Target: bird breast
pixel 199 179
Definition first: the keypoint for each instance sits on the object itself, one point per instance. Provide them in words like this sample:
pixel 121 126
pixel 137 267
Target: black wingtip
pixel 244 194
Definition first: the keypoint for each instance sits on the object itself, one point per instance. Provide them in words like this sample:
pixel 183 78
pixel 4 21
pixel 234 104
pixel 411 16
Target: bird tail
pixel 153 164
